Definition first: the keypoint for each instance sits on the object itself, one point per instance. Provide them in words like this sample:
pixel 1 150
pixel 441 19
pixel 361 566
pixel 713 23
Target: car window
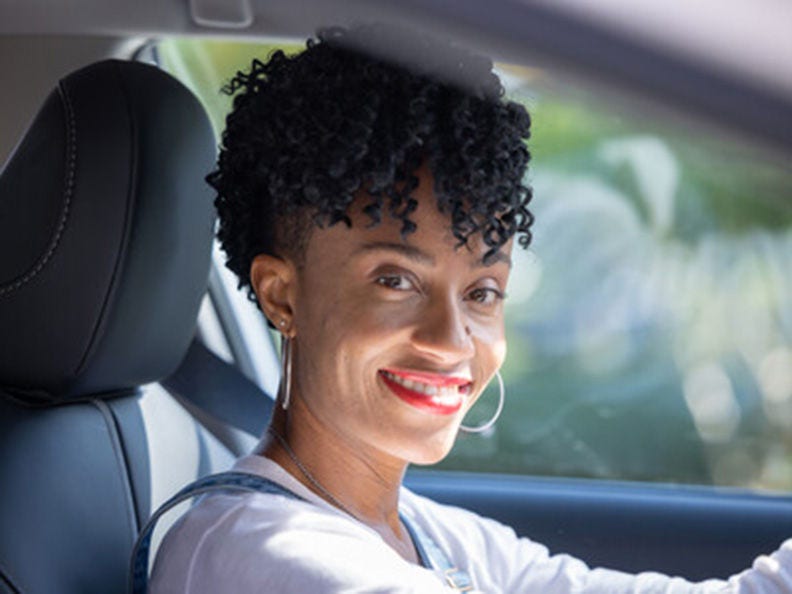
pixel 650 322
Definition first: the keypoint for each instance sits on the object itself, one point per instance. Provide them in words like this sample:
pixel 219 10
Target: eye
pixel 486 296
pixel 397 282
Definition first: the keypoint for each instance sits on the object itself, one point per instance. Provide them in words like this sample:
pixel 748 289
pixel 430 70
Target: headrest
pixel 105 235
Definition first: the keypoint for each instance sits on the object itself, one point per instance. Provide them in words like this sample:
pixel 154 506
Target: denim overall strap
pixel 224 481
pixel 428 550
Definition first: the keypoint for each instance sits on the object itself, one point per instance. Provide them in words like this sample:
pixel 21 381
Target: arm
pixel 501 561
pixel 528 567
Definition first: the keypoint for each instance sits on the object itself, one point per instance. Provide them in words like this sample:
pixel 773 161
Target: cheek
pixel 343 336
pixel 369 335
pixel 490 339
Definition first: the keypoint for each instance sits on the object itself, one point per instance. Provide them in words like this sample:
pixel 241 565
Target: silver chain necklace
pixel 407 549
pixel 306 473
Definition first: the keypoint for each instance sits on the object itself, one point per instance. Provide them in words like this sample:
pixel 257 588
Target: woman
pixel 370 210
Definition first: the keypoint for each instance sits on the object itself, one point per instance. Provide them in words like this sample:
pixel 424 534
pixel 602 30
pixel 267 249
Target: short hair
pixel 310 132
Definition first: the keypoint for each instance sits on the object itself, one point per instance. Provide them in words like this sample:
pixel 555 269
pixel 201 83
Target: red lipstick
pixel 432 392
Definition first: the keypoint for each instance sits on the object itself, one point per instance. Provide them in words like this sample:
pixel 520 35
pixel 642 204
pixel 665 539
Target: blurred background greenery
pixel 650 323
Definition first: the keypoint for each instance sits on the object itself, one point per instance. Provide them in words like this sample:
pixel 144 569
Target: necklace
pixel 307 474
pixel 407 550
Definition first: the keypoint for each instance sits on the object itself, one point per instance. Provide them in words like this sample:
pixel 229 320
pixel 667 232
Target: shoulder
pixel 264 542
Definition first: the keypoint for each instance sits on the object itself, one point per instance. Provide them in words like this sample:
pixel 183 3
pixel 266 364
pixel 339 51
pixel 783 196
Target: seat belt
pixel 430 552
pixel 220 390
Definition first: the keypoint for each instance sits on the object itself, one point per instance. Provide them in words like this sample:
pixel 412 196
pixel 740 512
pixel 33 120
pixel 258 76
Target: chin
pixel 429 460
pixel 431 453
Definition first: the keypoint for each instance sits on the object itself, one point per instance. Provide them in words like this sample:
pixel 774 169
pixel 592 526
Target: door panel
pixel 692 532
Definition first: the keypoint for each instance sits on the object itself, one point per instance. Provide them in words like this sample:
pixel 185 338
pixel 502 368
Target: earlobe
pixel 273 279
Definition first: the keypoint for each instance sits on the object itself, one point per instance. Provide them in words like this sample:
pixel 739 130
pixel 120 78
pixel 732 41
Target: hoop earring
pixel 286 371
pixel 491 422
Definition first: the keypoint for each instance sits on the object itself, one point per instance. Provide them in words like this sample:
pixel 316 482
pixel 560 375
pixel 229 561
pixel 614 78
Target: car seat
pixel 105 234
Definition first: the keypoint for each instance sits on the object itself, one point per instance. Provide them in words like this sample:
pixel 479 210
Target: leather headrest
pixel 105 235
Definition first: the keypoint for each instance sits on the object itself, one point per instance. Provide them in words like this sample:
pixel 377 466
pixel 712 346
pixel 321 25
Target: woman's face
pixel 396 338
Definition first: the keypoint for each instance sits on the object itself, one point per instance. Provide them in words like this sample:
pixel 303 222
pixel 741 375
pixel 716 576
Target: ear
pixel 274 281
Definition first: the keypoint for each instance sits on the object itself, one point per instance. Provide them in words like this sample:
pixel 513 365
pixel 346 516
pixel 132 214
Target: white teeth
pixel 447 393
pixel 446 398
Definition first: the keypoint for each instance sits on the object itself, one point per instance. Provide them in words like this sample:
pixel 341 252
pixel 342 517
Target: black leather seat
pixel 105 236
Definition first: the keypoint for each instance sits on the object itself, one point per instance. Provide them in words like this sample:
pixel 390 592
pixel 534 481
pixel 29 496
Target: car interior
pixel 130 365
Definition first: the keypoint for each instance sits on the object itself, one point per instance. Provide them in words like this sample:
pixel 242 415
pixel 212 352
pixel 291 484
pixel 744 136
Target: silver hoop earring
pixel 491 422
pixel 286 371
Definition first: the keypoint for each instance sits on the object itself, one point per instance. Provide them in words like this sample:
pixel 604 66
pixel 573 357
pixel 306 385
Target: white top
pixel 259 543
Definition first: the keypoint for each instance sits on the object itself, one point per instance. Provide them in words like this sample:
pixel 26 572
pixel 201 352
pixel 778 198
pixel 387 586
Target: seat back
pixel 105 237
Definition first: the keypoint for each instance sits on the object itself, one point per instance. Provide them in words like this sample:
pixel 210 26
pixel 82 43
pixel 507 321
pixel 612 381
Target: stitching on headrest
pixel 71 143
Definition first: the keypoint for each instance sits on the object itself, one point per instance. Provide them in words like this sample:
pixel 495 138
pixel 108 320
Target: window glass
pixel 210 331
pixel 650 322
pixel 206 66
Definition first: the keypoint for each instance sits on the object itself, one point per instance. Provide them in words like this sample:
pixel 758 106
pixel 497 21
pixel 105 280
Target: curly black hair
pixel 310 132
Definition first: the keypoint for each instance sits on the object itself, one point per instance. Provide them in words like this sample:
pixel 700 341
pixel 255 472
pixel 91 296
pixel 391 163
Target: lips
pixel 432 392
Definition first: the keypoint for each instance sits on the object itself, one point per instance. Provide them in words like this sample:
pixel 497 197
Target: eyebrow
pixel 496 257
pixel 417 255
pixel 408 251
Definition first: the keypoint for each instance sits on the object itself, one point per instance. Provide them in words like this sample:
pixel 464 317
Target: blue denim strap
pixel 428 550
pixel 224 481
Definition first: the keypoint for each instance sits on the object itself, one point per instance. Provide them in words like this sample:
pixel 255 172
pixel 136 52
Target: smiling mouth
pixel 431 392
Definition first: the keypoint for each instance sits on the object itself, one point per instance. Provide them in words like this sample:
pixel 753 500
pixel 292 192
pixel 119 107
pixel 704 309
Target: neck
pixel 347 474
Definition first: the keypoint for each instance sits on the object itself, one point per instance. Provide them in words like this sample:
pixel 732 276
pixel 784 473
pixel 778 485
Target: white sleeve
pixel 520 565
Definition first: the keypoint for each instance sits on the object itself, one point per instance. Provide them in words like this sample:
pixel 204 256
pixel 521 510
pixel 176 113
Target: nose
pixel 442 332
